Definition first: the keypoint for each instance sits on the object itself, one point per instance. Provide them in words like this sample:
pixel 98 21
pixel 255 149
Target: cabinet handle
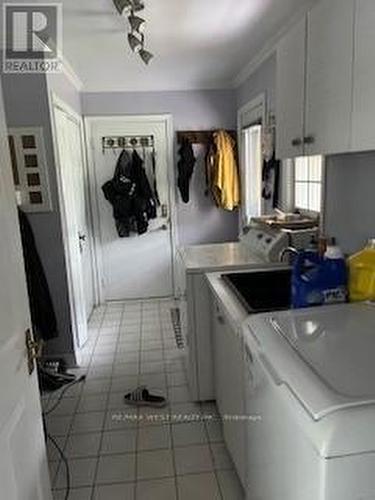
pixel 310 139
pixel 297 142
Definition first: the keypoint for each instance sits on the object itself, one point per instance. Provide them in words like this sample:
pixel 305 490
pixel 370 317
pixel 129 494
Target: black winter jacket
pixel 130 195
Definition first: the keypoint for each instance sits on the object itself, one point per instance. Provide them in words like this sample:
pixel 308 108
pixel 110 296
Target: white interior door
pixel 139 266
pixel 69 146
pixel 23 462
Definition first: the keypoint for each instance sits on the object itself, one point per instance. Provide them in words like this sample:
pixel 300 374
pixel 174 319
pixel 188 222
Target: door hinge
pixel 33 349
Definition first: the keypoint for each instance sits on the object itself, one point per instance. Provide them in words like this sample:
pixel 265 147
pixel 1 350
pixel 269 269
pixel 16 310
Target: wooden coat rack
pixel 200 136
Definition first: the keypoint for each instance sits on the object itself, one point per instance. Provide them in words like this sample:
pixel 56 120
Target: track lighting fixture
pixel 136 23
pixel 138 5
pixel 135 43
pixel 145 55
pixel 123 6
pixel 136 37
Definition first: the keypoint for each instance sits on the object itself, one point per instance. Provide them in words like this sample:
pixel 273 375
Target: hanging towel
pixel 185 169
pixel 225 180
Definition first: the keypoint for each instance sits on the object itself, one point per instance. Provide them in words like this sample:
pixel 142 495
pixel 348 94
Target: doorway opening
pixel 133 265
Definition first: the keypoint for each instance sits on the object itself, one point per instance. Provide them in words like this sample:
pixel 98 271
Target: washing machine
pixel 310 404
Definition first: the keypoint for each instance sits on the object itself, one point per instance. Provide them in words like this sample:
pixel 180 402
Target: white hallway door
pixel 68 135
pixel 139 266
pixel 23 462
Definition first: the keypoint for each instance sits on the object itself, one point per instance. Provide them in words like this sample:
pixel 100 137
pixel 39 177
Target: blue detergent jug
pixel 318 280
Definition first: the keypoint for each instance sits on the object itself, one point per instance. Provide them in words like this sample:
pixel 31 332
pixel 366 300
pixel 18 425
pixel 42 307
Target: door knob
pixel 310 139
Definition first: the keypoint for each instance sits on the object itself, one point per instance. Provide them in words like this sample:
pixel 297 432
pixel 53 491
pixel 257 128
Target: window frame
pixel 309 212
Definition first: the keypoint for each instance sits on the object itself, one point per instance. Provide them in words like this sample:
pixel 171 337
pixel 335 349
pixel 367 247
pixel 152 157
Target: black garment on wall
pixel 41 308
pixel 130 195
pixel 185 168
pixel 271 181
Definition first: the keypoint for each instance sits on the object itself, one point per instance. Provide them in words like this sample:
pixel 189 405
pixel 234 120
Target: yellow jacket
pixel 225 176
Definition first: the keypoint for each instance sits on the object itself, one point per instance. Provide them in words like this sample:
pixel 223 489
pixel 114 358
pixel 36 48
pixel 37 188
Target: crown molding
pixel 71 75
pixel 269 48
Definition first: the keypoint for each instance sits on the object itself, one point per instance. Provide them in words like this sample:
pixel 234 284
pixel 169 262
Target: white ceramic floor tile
pixel 75 494
pixel 154 437
pixel 157 489
pixel 175 379
pixel 95 402
pixel 124 383
pixel 115 492
pixel 82 471
pixel 65 407
pixel 114 442
pixel 179 394
pixel 215 432
pixel 198 487
pixel 230 485
pixel 88 422
pixel 193 459
pixel 152 367
pixel 156 355
pixel 188 434
pixel 125 369
pixel 116 469
pixel 96 386
pixel 221 457
pixel 83 445
pixel 154 464
pixel 52 452
pixel 58 425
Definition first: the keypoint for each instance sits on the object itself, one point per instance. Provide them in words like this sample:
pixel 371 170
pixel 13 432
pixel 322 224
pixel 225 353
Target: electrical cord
pixel 61 395
pixel 53 441
pixel 63 459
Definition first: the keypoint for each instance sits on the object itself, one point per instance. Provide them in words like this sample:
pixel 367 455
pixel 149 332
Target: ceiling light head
pixel 123 6
pixel 145 55
pixel 138 5
pixel 136 23
pixel 134 42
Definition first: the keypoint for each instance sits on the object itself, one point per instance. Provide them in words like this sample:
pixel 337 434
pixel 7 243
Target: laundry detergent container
pixel 318 280
pixel 362 274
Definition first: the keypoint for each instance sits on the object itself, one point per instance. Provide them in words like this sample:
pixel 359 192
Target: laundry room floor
pixel 118 452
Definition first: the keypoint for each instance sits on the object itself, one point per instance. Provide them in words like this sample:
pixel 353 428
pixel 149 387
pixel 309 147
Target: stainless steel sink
pixel 262 291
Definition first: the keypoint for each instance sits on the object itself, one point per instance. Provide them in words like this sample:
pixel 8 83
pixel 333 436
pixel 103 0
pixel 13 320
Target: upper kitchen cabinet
pixel 329 72
pixel 290 92
pixel 363 136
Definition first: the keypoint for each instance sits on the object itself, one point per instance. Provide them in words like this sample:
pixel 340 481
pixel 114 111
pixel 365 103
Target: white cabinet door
pixel 329 77
pixel 229 387
pixel 363 136
pixel 290 90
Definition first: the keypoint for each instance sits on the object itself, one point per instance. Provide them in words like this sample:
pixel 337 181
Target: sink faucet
pixel 286 250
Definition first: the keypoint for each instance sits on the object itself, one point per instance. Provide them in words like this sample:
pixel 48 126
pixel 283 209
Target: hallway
pixel 118 452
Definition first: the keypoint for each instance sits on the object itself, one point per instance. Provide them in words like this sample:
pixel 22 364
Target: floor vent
pixel 176 323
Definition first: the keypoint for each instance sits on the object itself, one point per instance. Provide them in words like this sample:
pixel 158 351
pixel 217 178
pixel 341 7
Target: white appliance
pixel 258 247
pixel 311 395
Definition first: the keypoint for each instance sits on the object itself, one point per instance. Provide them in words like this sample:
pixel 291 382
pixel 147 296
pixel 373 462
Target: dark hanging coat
pixel 41 308
pixel 185 168
pixel 130 195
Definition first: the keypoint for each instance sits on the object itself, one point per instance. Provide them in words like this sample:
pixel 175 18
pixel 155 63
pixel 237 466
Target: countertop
pixel 198 258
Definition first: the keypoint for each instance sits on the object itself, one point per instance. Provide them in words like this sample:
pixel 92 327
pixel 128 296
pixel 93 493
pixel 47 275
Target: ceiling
pixel 198 44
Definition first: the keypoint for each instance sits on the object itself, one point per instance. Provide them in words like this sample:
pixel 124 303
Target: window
pixel 251 175
pixel 308 183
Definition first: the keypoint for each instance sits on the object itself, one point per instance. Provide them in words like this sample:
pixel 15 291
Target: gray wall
pixel 350 204
pixel 25 98
pixel 199 221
